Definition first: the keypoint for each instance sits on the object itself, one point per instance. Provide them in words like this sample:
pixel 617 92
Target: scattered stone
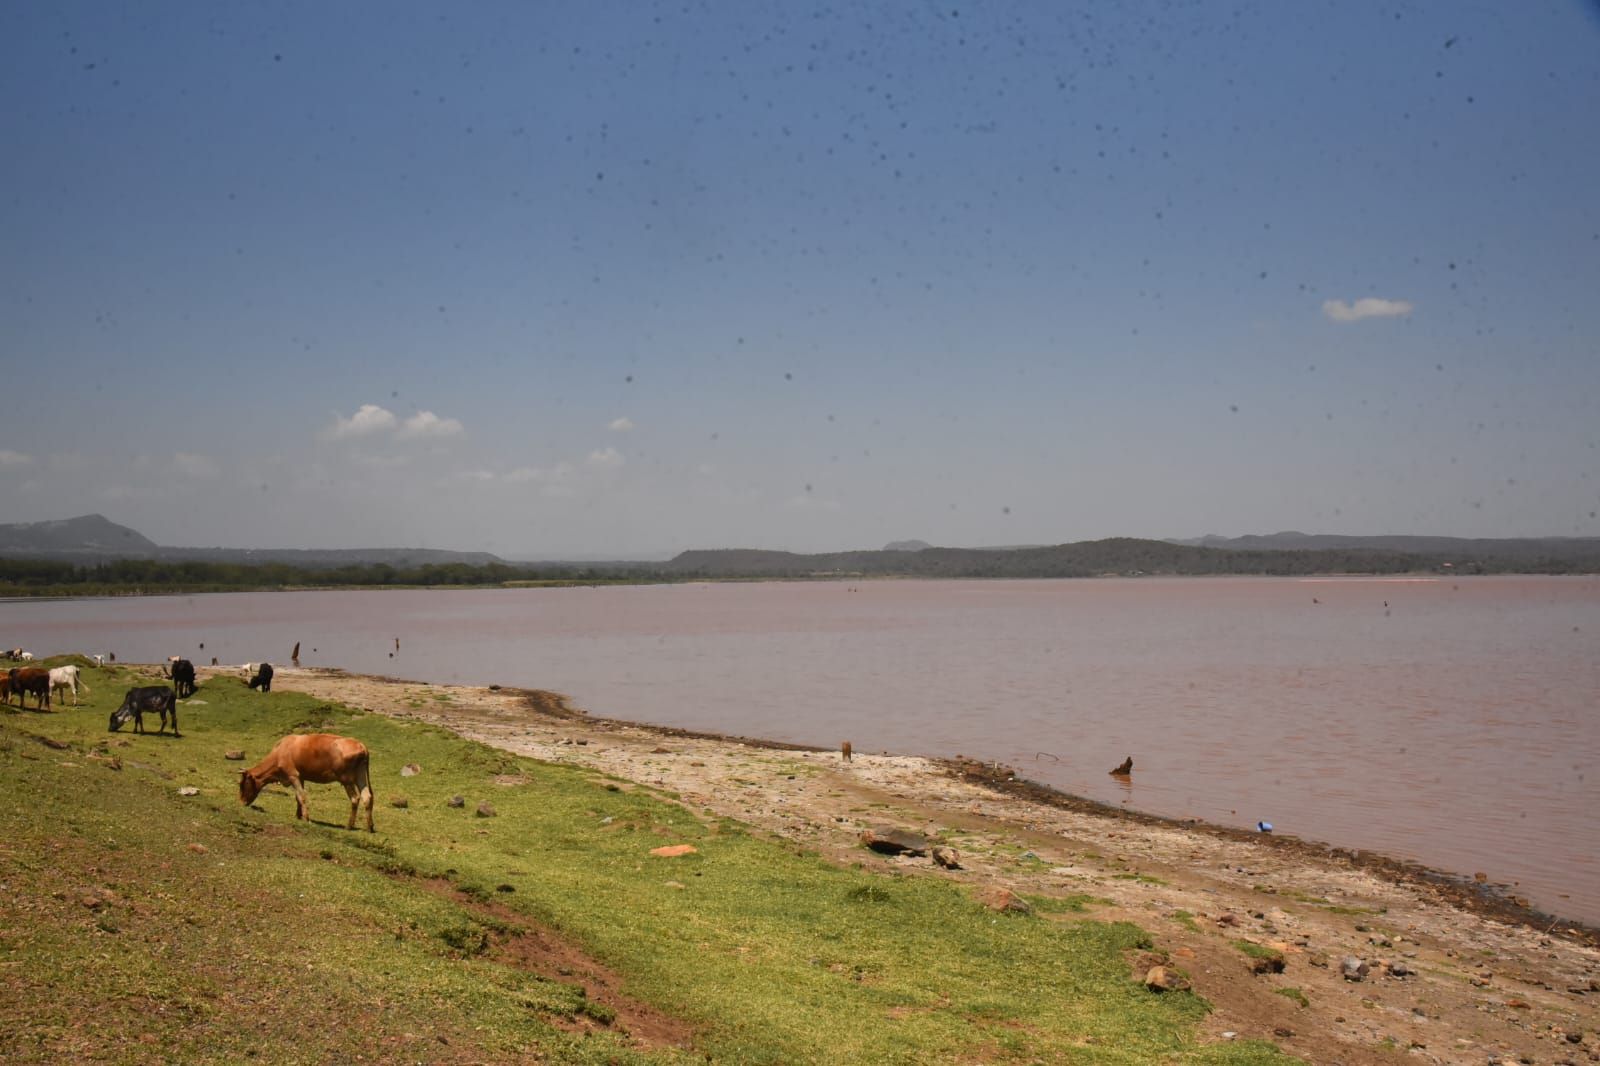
pixel 1161 979
pixel 888 840
pixel 1354 969
pixel 678 886
pixel 410 769
pixel 1519 1004
pixel 1399 969
pixel 188 790
pixel 400 802
pixel 234 756
pixel 1574 1036
pixel 456 801
pixel 672 851
pixel 658 750
pixel 1183 953
pixel 52 742
pixel 198 849
pixel 949 858
pixel 494 688
pixel 1002 899
pixel 486 810
pixel 1283 1032
pixel 1227 919
pixel 1230 1035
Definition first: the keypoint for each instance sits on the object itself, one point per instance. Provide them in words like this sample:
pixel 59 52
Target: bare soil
pixel 1481 982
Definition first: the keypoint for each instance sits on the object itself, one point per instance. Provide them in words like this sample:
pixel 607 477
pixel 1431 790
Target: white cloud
pixel 428 424
pixel 11 458
pixel 369 419
pixel 380 462
pixel 1366 307
pixel 540 475
pixel 196 466
pixel 621 425
pixel 476 475
pixel 605 459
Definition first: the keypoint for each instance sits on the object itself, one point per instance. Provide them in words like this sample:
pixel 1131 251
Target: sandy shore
pixel 1447 983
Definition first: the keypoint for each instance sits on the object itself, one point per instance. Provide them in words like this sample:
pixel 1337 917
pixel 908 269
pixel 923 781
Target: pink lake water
pixel 1453 721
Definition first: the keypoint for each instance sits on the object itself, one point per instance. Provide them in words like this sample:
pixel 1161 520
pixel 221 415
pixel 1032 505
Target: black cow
pixel 25 679
pixel 153 698
pixel 183 678
pixel 263 678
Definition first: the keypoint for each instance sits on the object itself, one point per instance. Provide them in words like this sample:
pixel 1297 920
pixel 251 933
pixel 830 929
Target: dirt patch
pixel 516 940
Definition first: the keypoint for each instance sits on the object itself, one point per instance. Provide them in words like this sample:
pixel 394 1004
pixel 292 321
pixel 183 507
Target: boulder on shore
pixel 888 840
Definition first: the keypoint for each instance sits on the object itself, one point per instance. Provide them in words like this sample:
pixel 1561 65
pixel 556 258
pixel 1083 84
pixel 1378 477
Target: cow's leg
pixel 354 795
pixel 302 810
pixel 175 718
pixel 363 784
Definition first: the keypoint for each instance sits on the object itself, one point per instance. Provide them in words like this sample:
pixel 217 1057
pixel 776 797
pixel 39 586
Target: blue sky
pixel 558 279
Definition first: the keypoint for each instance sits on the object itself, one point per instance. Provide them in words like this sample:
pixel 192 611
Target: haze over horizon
pixel 545 283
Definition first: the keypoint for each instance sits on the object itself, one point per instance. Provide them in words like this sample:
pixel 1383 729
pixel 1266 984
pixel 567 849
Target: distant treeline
pixel 38 577
pixel 1119 556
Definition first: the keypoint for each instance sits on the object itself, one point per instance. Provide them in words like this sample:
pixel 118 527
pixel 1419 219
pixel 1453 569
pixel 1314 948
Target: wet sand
pixel 1459 973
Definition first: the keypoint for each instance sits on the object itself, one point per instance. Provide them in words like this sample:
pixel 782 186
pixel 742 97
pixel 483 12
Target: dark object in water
pixel 1125 769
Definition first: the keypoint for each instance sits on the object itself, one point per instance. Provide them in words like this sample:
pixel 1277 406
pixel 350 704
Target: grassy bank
pixel 143 924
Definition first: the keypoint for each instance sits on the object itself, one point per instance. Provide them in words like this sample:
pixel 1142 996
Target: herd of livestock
pixel 320 758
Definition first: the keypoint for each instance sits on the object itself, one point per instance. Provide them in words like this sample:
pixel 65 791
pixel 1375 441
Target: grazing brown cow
pixel 34 679
pixel 315 757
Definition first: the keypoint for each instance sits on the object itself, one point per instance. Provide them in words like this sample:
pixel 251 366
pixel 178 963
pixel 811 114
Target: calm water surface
pixel 1452 721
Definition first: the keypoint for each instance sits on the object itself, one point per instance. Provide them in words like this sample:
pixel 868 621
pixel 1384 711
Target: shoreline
pixel 1486 898
pixel 1445 972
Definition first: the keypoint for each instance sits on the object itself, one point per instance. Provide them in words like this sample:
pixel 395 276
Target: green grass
pixel 303 942
pixel 1185 919
pixel 1294 994
pixel 1257 951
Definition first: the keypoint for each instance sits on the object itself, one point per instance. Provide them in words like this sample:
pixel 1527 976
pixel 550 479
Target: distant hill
pixel 91 533
pixel 1132 556
pixel 906 546
pixel 1461 548
pixel 1118 555
pixel 95 538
